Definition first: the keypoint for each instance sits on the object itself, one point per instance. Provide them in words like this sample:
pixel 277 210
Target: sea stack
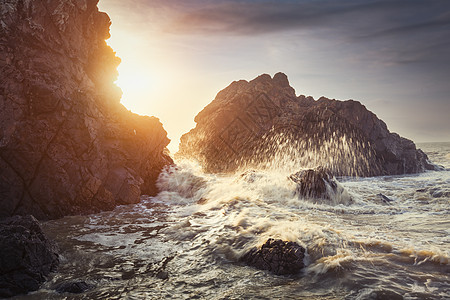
pixel 67 145
pixel 254 124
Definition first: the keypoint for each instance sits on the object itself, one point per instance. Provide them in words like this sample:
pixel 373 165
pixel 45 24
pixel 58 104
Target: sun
pixel 137 83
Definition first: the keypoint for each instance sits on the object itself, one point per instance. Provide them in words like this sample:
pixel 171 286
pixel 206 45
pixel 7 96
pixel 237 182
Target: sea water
pixel 186 242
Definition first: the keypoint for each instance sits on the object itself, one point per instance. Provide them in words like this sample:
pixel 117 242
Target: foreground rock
pixel 277 256
pixel 26 256
pixel 314 182
pixel 67 145
pixel 262 122
pixel 382 199
pixel 320 184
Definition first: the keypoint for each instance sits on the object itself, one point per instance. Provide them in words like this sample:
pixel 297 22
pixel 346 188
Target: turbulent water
pixel 186 242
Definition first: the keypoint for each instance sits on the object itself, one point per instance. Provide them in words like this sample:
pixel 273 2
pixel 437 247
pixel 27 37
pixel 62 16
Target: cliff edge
pixel 67 145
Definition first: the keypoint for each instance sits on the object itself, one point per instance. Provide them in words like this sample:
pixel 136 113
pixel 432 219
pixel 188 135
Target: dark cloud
pixel 252 17
pixel 407 31
pixel 261 17
pixel 440 22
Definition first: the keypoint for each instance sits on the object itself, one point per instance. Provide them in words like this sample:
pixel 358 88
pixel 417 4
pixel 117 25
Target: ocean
pixel 186 242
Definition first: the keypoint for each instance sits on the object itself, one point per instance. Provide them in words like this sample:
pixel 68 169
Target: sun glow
pixel 136 81
pixel 137 84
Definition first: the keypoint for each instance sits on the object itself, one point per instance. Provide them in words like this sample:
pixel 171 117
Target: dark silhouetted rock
pixel 277 256
pixel 26 256
pixel 313 183
pixel 263 124
pixel 67 145
pixel 436 192
pixel 382 199
pixel 73 287
pixel 318 184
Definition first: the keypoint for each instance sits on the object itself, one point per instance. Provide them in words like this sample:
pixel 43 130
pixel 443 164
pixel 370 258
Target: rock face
pixel 26 256
pixel 67 145
pixel 262 122
pixel 277 256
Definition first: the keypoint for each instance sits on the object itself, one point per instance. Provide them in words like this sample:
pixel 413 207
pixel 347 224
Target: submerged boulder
pixel 263 124
pixel 277 256
pixel 67 145
pixel 27 256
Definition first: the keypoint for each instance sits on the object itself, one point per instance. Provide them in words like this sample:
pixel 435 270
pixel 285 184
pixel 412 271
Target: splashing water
pixel 339 153
pixel 186 242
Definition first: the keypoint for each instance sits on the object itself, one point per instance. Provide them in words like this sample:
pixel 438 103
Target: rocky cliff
pixel 67 145
pixel 263 124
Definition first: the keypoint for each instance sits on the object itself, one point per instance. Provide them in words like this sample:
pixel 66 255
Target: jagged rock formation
pixel 26 256
pixel 263 124
pixel 277 256
pixel 67 145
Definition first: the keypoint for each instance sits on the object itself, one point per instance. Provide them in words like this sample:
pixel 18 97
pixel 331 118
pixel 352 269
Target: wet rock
pixel 313 183
pixel 67 145
pixel 158 269
pixel 256 124
pixel 27 256
pixel 250 176
pixel 73 287
pixel 202 201
pixel 380 198
pixel 162 275
pixel 440 193
pixel 319 183
pixel 435 192
pixel 277 256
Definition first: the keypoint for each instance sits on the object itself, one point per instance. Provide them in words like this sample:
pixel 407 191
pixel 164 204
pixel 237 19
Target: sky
pixel 392 56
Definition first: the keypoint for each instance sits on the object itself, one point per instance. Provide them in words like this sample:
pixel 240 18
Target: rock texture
pixel 277 256
pixel 26 256
pixel 67 145
pixel 314 182
pixel 262 123
pixel 320 184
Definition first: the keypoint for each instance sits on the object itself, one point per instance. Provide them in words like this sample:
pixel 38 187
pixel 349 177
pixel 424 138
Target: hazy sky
pixel 393 56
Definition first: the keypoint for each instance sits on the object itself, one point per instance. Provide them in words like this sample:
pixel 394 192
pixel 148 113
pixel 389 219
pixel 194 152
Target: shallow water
pixel 185 243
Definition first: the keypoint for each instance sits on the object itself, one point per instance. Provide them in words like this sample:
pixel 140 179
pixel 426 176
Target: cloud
pixel 261 17
pixel 404 32
pixel 388 31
